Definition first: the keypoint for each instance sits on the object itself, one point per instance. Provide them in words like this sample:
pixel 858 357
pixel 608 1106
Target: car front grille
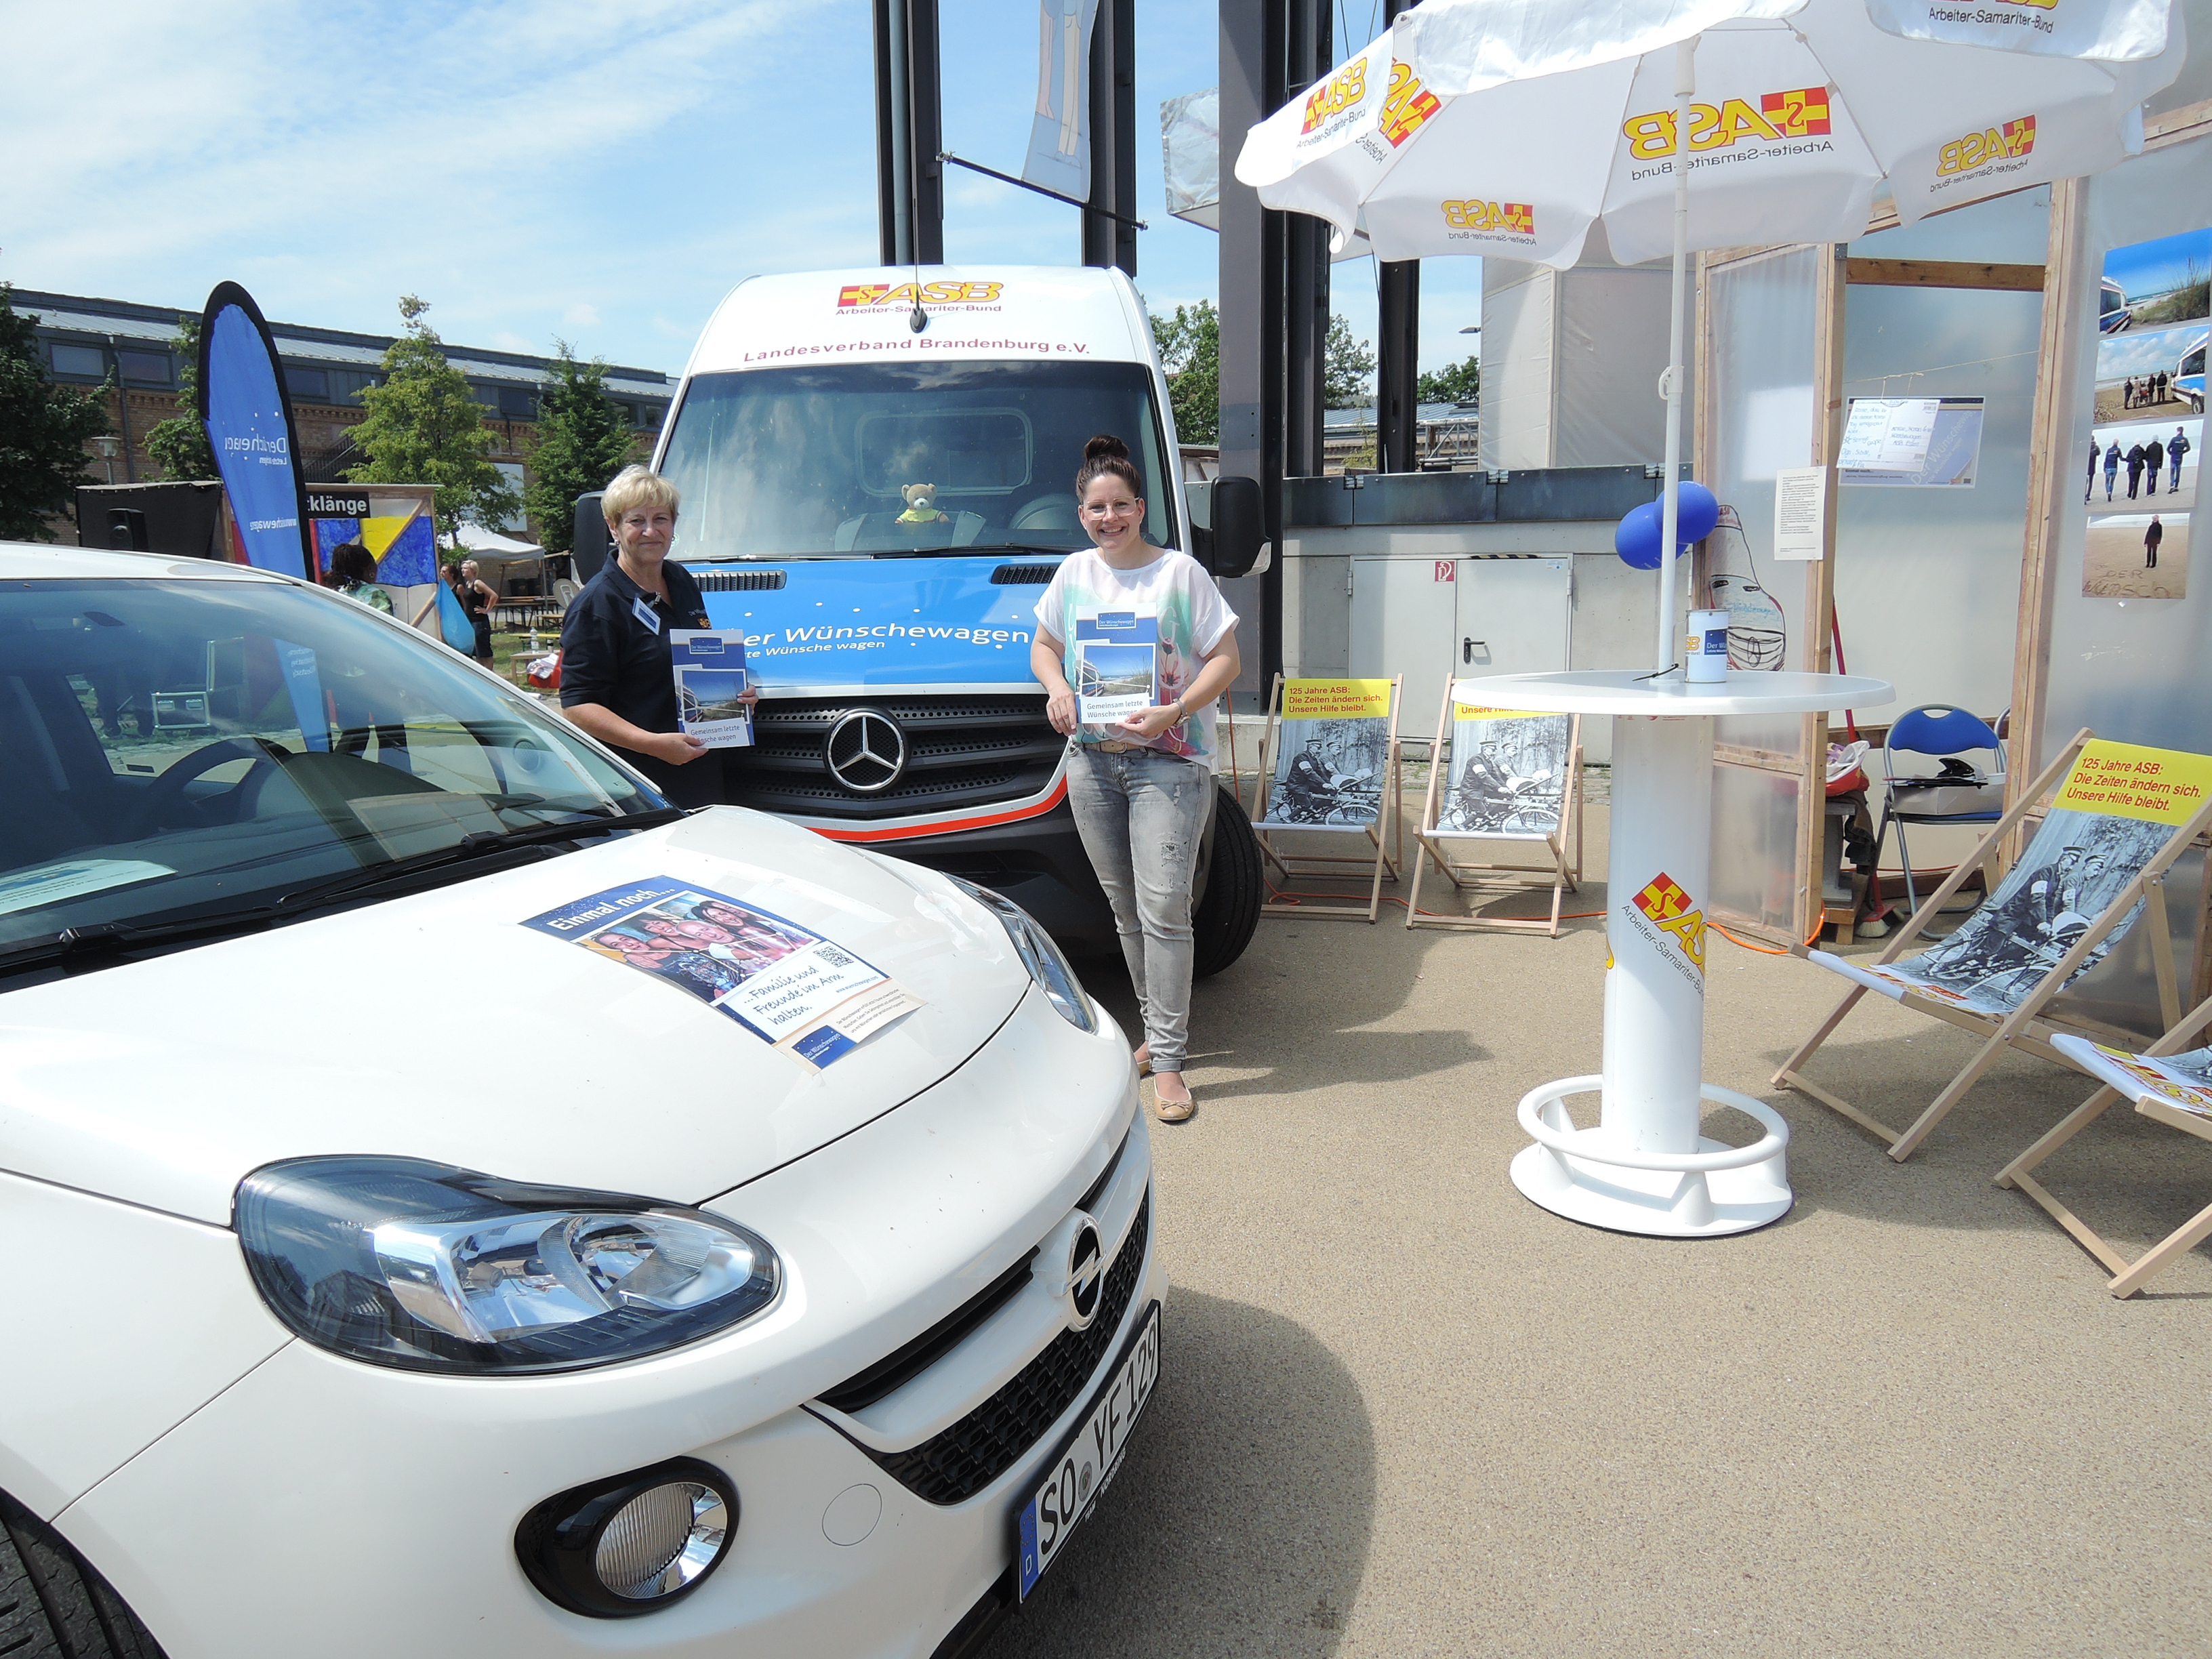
pixel 953 1466
pixel 961 751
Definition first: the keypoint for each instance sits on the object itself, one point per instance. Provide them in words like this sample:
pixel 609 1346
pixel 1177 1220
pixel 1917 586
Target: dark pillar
pixel 1398 328
pixel 1306 262
pixel 909 179
pixel 1397 364
pixel 1113 137
pixel 1253 62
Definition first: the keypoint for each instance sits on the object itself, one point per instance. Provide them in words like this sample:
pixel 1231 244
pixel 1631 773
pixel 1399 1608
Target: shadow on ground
pixel 1240 1523
pixel 2134 1180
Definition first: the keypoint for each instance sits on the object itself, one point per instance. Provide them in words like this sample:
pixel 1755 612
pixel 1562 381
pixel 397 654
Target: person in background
pixel 2136 458
pixel 478 597
pixel 2154 464
pixel 2165 386
pixel 2112 468
pixel 353 572
pixel 2092 485
pixel 2152 537
pixel 1141 790
pixel 2128 392
pixel 617 669
pixel 2176 446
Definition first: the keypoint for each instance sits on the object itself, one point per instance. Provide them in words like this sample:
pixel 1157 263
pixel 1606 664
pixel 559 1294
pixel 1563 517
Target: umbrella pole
pixel 1685 82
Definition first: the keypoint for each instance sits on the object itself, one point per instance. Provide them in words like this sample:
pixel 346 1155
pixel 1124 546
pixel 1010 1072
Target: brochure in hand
pixel 710 681
pixel 789 987
pixel 1117 673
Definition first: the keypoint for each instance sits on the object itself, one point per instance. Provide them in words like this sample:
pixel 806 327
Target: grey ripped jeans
pixel 1141 814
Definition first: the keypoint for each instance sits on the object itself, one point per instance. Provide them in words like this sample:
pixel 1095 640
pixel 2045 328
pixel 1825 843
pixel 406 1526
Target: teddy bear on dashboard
pixel 922 505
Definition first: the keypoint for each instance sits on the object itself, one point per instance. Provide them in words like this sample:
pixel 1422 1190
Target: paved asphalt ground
pixel 1404 1411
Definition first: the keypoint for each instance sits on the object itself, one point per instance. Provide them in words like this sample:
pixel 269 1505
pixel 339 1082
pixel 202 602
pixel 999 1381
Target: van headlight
pixel 1046 966
pixel 402 1262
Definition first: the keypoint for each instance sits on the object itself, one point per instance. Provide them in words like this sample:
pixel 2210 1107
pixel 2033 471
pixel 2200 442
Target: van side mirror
pixel 1228 531
pixel 591 543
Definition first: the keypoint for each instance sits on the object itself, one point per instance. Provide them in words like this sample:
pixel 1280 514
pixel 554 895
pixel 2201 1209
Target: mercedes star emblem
pixel 1086 1275
pixel 866 751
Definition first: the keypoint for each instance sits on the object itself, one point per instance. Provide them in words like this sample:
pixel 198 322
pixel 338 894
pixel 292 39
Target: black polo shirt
pixel 609 657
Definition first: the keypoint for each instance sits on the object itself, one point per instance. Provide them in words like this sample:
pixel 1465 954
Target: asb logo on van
pixel 1497 218
pixel 1406 105
pixel 1344 90
pixel 1799 112
pixel 2013 139
pixel 857 295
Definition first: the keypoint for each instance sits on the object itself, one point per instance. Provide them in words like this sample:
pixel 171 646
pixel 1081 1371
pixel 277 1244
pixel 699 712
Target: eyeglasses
pixel 1109 509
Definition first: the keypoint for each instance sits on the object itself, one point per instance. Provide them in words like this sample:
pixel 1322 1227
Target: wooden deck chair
pixel 1501 774
pixel 2112 831
pixel 1329 766
pixel 2165 1084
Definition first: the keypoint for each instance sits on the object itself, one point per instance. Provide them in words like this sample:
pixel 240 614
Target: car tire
pixel 1235 885
pixel 53 1605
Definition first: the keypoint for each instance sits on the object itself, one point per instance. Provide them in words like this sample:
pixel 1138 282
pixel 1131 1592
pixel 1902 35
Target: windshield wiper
pixel 978 550
pixel 114 937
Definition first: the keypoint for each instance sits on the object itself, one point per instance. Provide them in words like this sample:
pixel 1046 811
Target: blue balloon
pixel 1636 538
pixel 1697 510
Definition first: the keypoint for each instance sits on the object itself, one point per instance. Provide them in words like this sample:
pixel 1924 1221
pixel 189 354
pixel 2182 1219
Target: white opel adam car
pixel 456 1204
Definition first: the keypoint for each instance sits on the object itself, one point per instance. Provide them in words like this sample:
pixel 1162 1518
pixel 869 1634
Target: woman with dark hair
pixel 1140 789
pixel 353 572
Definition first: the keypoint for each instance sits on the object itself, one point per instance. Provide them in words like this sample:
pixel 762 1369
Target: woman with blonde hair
pixel 617 670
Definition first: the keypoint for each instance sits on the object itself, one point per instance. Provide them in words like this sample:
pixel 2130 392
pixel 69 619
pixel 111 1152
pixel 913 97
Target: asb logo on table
pixel 1668 908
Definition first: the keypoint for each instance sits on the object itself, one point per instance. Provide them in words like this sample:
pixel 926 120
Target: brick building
pixel 86 340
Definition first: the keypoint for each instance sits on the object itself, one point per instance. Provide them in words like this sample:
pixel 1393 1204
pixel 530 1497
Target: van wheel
pixel 1234 886
pixel 53 1605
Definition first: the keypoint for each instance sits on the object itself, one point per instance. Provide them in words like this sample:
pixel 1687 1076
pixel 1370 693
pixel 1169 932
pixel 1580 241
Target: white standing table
pixel 1643 1167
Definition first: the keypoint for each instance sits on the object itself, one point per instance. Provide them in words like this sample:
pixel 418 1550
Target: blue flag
pixel 249 425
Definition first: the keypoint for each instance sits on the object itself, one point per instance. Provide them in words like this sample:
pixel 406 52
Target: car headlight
pixel 1046 966
pixel 402 1262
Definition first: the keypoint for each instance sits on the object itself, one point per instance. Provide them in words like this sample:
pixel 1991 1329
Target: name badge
pixel 642 609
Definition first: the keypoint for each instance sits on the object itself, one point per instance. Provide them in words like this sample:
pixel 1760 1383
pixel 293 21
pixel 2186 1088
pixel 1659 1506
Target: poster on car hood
pixel 788 985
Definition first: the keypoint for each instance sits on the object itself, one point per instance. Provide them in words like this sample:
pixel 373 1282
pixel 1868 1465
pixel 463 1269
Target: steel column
pixel 1108 240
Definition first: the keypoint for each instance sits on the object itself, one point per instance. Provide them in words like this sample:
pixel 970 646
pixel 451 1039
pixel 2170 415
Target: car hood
pixel 441 1026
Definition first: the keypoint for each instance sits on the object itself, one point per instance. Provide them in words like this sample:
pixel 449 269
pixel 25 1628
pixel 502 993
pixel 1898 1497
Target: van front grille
pixel 960 751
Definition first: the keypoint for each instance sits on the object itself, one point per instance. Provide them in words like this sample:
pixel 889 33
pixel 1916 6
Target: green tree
pixel 180 445
pixel 424 428
pixel 43 429
pixel 1460 383
pixel 1190 351
pixel 1346 368
pixel 583 441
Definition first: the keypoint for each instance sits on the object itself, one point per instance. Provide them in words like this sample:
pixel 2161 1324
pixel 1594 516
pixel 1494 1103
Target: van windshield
pixel 778 462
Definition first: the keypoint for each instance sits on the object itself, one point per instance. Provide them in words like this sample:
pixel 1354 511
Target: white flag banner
pixel 1059 137
pixel 2112 30
pixel 1190 156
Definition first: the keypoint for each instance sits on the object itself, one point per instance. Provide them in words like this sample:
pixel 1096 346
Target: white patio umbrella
pixel 1508 127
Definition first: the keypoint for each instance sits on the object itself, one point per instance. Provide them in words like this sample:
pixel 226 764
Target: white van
pixel 877 472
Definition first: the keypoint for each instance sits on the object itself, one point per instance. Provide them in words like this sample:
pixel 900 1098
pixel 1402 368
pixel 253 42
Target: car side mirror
pixel 592 545
pixel 1229 532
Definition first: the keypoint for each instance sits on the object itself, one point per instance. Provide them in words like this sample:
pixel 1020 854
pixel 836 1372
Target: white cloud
pixel 581 315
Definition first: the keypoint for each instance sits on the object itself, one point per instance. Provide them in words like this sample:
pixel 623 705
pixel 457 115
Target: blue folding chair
pixel 1957 793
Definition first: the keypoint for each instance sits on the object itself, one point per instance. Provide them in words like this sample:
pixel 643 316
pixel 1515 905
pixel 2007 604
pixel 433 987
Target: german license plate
pixel 1089 1458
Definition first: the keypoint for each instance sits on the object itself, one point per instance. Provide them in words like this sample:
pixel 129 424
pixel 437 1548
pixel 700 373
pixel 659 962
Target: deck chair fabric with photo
pixel 1328 766
pixel 2120 817
pixel 2164 1085
pixel 1500 775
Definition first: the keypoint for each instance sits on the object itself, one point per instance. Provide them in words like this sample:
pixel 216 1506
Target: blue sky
pixel 569 167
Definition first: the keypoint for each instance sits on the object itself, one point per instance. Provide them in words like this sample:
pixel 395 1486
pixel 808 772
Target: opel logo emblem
pixel 1086 1275
pixel 866 751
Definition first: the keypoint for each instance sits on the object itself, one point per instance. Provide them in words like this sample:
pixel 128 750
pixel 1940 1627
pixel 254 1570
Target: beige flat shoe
pixel 1174 1111
pixel 1143 1058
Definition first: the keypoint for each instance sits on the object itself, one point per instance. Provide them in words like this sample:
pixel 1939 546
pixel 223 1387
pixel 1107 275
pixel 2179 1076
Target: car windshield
pixel 891 457
pixel 176 748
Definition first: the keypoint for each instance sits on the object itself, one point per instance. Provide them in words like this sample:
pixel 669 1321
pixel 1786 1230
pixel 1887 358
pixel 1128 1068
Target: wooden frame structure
pixel 2128 1276
pixel 1561 875
pixel 2030 1026
pixel 1389 822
